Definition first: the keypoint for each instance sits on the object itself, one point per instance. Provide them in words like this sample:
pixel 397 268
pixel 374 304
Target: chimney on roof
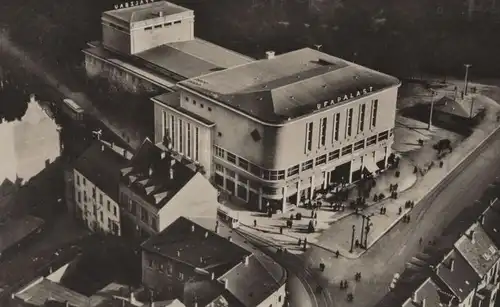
pixel 67 304
pixel 178 253
pixel 422 303
pixel 125 153
pixel 163 155
pixel 452 264
pixel 201 259
pixel 247 260
pixel 133 301
pixel 150 170
pixel 472 237
pixel 270 55
pixel 160 13
pixel 414 297
pixel 226 283
pixel 206 234
pixel 102 147
pixel 213 276
pixel 230 239
pixel 481 219
pixel 192 228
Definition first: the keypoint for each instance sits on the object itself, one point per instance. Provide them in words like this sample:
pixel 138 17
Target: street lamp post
pixel 466 81
pixel 362 227
pixel 432 109
pixel 352 238
pixel 367 229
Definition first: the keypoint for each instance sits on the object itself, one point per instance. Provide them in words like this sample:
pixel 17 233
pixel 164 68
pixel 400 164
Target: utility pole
pixel 471 107
pixel 466 81
pixel 430 112
pixel 352 238
pixel 362 227
pixel 368 225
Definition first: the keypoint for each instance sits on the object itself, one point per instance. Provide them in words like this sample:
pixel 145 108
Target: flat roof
pixel 289 85
pixel 146 11
pixel 173 100
pixel 193 58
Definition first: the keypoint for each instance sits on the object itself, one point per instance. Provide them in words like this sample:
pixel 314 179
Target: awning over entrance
pixel 370 166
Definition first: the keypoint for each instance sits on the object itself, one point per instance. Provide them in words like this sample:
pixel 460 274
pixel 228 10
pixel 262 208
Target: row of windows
pixel 168 269
pixel 95 195
pixel 116 27
pixel 183 135
pixel 307 165
pixel 336 125
pixel 166 25
pixel 137 210
pixel 195 103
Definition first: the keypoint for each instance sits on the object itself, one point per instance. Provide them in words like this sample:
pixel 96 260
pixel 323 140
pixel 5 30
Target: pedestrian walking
pixel 420 241
pixel 400 211
pixel 312 213
pixel 254 223
pixel 300 242
pixel 315 215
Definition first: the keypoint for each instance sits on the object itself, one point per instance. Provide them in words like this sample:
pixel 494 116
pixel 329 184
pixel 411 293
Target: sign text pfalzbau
pixel 345 97
pixel 132 3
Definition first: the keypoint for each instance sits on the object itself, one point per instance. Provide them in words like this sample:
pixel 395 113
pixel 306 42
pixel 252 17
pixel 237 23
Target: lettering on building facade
pixel 132 4
pixel 345 97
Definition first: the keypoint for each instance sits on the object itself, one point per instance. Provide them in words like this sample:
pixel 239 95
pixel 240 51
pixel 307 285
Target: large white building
pixel 268 131
pixel 275 130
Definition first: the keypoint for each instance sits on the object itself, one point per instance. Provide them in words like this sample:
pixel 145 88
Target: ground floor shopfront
pixel 259 194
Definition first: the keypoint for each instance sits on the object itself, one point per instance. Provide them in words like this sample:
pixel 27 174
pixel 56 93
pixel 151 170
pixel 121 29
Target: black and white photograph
pixel 249 153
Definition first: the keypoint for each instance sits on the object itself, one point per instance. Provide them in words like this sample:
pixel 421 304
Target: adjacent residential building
pixel 96 181
pixel 151 47
pixel 157 187
pixel 274 131
pixel 191 262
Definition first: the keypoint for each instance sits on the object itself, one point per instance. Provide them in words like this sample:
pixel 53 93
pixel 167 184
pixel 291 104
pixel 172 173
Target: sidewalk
pixel 334 229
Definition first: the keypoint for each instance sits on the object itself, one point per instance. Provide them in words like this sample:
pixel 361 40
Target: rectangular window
pixel 241 192
pixel 188 139
pixel 333 155
pixel 230 173
pixel 243 163
pixel 100 198
pixel 359 145
pixel 361 121
pixel 154 223
pixel 173 138
pixel 269 191
pixel 309 135
pixel 265 174
pixel 93 193
pixel 79 196
pixel 102 216
pixel 347 150
pixel 294 170
pixel 181 276
pixel 77 180
pixel 196 145
pixel 84 181
pixel 170 268
pixel 181 137
pixel 348 130
pixel 322 132
pixel 85 196
pixel 231 158
pixel 144 215
pixel 177 22
pixel 132 207
pixel 336 127
pixel 158 26
pixel 115 210
pixel 371 140
pixel 164 124
pixel 254 169
pixel 219 152
pixel 321 160
pixel 383 136
pixel 374 113
pixel 109 223
pixel 219 168
pixel 148 28
pixel 307 165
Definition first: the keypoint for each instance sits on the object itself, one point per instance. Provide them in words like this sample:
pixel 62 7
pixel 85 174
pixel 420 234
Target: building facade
pixel 95 183
pixel 156 189
pixel 281 154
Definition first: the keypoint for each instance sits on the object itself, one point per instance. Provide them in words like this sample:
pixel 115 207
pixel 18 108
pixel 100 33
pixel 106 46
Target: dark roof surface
pixel 289 85
pixel 146 11
pixel 13 231
pixel 193 58
pixel 491 223
pixel 251 283
pixel 156 187
pixel 462 279
pixel 101 165
pixel 197 246
pixel 481 253
pixel 429 292
pixel 46 290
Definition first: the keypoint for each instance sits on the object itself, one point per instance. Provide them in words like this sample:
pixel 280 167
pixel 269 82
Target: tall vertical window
pixel 309 135
pixel 361 121
pixel 336 127
pixel 173 138
pixel 322 132
pixel 373 118
pixel 196 139
pixel 181 137
pixel 348 130
pixel 165 123
pixel 188 139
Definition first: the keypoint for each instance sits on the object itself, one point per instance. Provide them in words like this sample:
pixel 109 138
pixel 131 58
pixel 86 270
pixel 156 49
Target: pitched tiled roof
pixel 431 293
pixel 457 275
pixel 101 165
pixel 45 290
pixel 478 249
pixel 148 174
pixel 288 86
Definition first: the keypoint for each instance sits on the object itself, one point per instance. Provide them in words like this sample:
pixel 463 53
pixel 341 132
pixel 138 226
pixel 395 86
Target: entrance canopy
pixel 370 166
